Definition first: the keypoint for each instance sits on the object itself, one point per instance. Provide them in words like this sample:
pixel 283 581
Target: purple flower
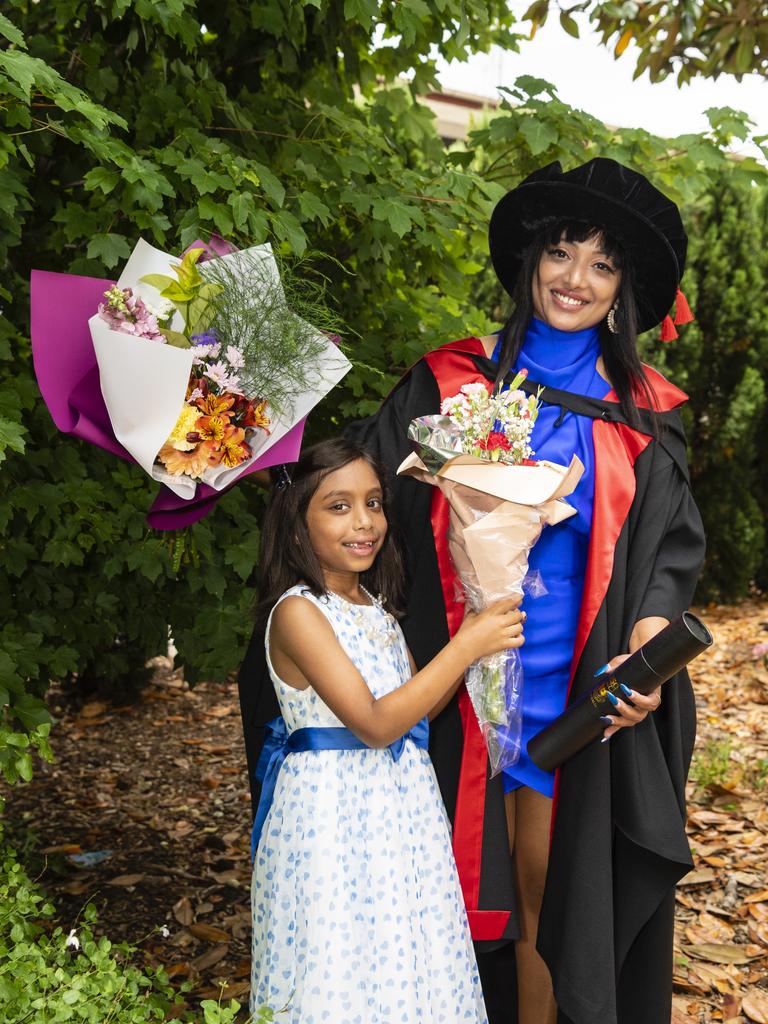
pixel 205 338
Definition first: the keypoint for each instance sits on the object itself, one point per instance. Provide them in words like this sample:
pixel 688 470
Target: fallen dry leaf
pixel 93 709
pixel 209 933
pixel 731 1005
pixel 202 963
pixel 62 848
pixel 126 879
pixel 755 1005
pixel 182 911
pixel 721 953
pixel 698 877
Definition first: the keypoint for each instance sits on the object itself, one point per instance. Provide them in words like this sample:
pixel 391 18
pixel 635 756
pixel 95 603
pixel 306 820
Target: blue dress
pixel 567 361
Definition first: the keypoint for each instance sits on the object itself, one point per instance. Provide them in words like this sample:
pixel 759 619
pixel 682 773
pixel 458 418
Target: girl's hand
pixel 631 707
pixel 497 628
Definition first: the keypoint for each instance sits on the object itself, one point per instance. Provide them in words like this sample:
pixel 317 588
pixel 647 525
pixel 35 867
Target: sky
pixel 588 77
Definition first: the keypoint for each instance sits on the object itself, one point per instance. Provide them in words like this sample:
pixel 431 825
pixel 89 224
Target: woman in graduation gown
pixel 572 875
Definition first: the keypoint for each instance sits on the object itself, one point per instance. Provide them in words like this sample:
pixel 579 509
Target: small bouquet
pixel 202 369
pixel 478 453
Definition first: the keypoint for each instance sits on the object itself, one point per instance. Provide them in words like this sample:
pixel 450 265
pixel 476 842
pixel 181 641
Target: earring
pixel 611 320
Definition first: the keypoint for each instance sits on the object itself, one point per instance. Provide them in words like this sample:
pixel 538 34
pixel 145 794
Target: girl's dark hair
pixel 619 351
pixel 287 556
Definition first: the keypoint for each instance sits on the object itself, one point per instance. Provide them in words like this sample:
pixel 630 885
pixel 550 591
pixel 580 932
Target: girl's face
pixel 575 284
pixel 346 520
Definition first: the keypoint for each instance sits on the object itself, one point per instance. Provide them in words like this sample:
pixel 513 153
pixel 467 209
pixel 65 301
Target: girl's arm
pixel 305 652
pixel 446 698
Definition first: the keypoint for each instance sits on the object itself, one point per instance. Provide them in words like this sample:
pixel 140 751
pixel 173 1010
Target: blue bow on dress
pixel 278 744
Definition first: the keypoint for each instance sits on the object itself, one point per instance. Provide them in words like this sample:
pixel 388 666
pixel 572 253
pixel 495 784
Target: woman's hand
pixel 631 707
pixel 497 628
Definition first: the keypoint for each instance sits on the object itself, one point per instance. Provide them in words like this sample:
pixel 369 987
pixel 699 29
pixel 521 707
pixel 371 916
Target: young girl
pixel 357 913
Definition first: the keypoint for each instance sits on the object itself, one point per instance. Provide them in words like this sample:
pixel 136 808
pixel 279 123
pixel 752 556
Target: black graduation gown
pixel 618 842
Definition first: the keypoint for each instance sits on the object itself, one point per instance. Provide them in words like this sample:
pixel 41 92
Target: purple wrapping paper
pixel 68 377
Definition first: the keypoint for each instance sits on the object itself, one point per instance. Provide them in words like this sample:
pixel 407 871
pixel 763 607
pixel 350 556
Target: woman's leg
pixel 528 819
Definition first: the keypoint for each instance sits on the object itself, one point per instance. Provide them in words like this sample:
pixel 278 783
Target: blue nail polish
pixel 600 671
pixel 607 719
pixel 612 698
pixel 626 690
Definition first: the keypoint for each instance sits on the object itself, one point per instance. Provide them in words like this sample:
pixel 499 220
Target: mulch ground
pixel 146 814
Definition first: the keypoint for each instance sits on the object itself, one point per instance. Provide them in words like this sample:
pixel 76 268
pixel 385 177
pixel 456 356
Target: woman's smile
pixel 575 284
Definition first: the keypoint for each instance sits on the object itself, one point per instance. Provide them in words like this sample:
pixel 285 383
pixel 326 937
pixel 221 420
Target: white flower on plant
pixel 161 308
pixel 475 388
pixel 205 352
pixel 219 375
pixel 235 357
pixel 72 941
pixel 165 932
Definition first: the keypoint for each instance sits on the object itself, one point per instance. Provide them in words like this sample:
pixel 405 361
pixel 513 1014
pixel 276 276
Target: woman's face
pixel 575 284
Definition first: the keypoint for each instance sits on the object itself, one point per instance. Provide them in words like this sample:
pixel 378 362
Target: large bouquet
pixel 478 453
pixel 203 369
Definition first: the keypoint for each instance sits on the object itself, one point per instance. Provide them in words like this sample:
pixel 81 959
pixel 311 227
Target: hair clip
pixel 281 476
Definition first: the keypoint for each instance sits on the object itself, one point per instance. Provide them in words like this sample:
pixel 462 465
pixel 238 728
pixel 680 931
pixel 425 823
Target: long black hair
pixel 619 350
pixel 287 556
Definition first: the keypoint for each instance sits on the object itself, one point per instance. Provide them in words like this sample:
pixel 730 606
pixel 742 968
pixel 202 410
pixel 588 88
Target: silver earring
pixel 611 320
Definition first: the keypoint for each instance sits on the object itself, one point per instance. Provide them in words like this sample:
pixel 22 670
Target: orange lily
pixel 212 428
pixel 256 416
pixel 215 405
pixel 234 450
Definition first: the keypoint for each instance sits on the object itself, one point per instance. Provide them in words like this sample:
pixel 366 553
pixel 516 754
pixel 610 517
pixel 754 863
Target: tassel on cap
pixel 683 314
pixel 668 332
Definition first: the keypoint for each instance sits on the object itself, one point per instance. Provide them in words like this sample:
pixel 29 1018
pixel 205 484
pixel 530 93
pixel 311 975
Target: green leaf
pixel 314 208
pixel 242 206
pixel 31 711
pixel 11 33
pixel 538 134
pixel 24 766
pixel 270 184
pixel 103 178
pixel 159 281
pixel 175 338
pixel 109 248
pixel 216 212
pixel 394 213
pixel 288 229
pixel 569 24
pixel 11 436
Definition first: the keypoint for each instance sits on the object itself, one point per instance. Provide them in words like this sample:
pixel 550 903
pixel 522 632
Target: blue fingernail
pixel 626 690
pixel 612 698
pixel 601 670
pixel 605 739
pixel 607 719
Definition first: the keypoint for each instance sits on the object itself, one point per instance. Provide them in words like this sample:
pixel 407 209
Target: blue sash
pixel 278 745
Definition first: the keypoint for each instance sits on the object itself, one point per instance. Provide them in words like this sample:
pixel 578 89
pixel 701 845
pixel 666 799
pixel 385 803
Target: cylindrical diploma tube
pixel 653 663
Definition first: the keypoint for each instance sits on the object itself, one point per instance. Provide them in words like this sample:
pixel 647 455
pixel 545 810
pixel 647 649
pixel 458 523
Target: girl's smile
pixel 346 523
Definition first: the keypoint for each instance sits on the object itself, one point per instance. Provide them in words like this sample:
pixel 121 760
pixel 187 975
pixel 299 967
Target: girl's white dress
pixel 358 917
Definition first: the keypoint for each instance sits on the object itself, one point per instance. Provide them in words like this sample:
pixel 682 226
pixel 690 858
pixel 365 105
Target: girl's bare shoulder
pixel 298 613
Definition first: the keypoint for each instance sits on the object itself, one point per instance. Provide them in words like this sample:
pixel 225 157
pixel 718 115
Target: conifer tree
pixel 720 361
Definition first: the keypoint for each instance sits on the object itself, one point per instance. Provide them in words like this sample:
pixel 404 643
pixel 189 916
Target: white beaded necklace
pixel 369 625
